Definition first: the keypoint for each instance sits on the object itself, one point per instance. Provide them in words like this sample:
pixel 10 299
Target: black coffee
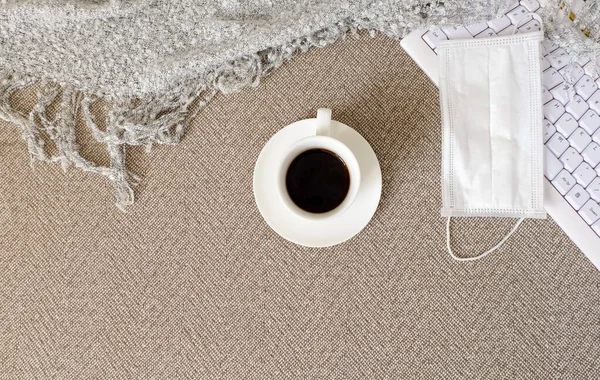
pixel 317 181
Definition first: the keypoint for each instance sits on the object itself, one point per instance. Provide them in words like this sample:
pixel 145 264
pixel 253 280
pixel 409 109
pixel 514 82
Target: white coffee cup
pixel 321 140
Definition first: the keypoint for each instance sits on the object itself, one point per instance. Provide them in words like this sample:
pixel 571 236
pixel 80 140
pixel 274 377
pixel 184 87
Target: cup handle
pixel 323 122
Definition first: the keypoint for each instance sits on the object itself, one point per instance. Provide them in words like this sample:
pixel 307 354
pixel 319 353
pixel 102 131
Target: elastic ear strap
pixel 484 253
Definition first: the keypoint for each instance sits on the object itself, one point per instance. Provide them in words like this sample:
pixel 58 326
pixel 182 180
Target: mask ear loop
pixel 516 226
pixel 482 255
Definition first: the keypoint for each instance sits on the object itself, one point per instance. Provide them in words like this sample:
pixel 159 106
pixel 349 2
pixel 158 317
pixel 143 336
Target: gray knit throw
pixel 155 63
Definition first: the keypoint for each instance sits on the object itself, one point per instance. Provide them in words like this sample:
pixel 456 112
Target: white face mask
pixel 490 93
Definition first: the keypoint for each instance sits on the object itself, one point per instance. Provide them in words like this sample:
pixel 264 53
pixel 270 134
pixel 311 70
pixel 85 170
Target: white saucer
pixel 316 233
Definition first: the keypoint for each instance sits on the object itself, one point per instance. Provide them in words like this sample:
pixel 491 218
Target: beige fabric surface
pixel 192 283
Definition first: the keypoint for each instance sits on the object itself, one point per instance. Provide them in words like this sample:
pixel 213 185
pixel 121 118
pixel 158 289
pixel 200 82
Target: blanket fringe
pixel 163 119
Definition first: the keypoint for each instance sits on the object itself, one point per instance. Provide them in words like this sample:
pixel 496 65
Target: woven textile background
pixel 192 283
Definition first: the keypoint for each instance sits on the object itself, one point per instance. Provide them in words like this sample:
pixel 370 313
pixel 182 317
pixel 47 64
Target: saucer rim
pixel 318 225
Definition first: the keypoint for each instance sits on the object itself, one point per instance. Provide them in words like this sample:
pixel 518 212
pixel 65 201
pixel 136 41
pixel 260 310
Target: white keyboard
pixel 571 124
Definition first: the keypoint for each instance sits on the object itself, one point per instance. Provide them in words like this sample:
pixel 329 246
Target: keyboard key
pixel 576 107
pixel 507 31
pixel 586 87
pixel 582 61
pixel 558 58
pixel 590 212
pixel 561 93
pixel 549 46
pixel 564 182
pixel 548 129
pixel 584 174
pixel 542 49
pixel 596 136
pixel 499 24
pixel 577 197
pixel 517 14
pixel 594 101
pixel 531 26
pixel 590 69
pixel 557 144
pixel 486 33
pixel 433 37
pixel 544 64
pixel 590 121
pixel 566 124
pixel 574 70
pixel 513 6
pixel 457 33
pixel 531 5
pixel 546 96
pixel 591 154
pixel 553 110
pixel 551 78
pixel 552 166
pixel 571 159
pixel 596 228
pixel 594 189
pixel 475 29
pixel 580 139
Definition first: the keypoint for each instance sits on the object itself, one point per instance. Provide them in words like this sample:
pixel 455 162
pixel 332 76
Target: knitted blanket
pixel 153 64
